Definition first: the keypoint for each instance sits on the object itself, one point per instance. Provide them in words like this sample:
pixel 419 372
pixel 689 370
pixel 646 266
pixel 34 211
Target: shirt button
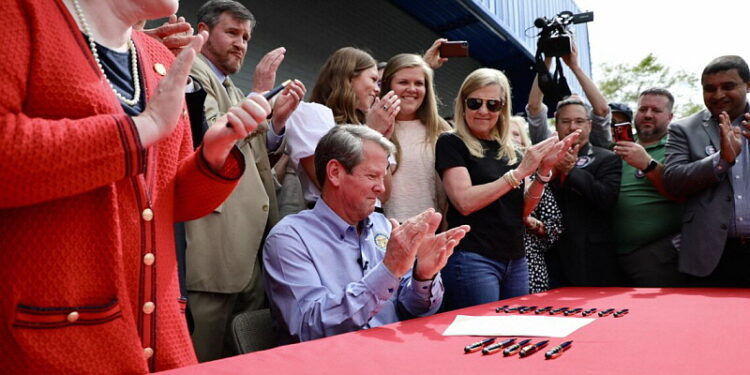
pixel 148 307
pixel 148 353
pixel 149 259
pixel 147 214
pixel 265 208
pixel 737 177
pixel 739 197
pixel 73 316
pixel 740 219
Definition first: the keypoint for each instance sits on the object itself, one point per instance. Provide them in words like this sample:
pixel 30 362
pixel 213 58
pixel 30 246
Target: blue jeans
pixel 471 279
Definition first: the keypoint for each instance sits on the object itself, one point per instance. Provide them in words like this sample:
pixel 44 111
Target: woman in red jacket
pixel 97 165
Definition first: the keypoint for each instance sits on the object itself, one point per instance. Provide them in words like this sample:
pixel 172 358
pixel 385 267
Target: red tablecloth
pixel 668 331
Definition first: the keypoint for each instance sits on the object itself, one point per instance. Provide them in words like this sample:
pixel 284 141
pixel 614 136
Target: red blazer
pixel 87 281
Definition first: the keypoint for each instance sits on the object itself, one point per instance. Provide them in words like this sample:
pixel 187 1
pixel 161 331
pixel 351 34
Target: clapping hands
pixel 416 239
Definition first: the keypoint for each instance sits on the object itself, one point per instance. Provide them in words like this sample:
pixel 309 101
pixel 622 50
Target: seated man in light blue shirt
pixel 340 267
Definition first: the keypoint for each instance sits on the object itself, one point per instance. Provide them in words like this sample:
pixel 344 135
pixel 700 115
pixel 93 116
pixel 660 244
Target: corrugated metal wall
pixel 312 29
pixel 517 16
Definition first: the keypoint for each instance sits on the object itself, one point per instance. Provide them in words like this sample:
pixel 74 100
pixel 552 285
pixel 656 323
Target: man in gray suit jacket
pixel 706 164
pixel 223 273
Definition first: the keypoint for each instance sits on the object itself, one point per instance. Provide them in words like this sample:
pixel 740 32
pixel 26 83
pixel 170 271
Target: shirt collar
pixel 662 142
pixel 330 218
pixel 221 76
pixel 586 149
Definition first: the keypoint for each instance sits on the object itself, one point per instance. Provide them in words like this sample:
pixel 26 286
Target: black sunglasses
pixel 492 104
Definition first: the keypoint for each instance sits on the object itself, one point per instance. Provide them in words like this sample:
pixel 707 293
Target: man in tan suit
pixel 223 267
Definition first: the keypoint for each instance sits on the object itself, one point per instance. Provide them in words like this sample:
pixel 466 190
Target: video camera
pixel 555 38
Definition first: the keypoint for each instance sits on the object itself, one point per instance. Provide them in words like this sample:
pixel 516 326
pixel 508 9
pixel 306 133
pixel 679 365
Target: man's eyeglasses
pixel 492 104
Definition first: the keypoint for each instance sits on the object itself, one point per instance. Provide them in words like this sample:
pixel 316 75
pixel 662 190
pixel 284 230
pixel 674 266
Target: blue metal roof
pixel 501 34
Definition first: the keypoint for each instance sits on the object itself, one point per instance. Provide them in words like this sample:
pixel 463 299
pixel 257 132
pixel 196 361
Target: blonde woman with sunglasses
pixel 485 179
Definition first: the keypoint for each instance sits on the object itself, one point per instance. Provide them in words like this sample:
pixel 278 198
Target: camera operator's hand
pixel 571 60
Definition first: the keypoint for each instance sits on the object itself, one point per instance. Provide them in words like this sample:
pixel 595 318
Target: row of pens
pixel 524 348
pixel 567 311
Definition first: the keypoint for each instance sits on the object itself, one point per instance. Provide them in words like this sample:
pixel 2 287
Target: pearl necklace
pixel 133 63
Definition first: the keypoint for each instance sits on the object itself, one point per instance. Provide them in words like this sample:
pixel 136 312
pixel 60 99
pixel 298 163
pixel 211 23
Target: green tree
pixel 623 83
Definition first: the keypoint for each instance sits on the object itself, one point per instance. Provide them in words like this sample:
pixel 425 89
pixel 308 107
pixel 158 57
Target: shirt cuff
pixel 192 86
pixel 381 282
pixel 720 165
pixel 601 121
pixel 273 140
pixel 426 288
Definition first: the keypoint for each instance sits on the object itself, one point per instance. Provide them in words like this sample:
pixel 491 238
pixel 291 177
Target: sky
pixel 681 34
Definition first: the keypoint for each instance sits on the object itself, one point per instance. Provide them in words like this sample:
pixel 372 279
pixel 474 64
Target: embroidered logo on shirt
pixel 381 240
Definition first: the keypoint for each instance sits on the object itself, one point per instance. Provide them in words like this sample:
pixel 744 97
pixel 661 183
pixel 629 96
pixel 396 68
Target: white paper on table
pixel 515 325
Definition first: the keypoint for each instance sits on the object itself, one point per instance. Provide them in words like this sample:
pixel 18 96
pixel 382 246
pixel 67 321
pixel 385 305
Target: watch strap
pixel 651 166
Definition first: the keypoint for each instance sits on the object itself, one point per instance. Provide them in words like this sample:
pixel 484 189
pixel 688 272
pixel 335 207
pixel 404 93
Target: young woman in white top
pixel 415 184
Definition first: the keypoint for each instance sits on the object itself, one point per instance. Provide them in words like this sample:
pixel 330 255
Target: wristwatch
pixel 651 166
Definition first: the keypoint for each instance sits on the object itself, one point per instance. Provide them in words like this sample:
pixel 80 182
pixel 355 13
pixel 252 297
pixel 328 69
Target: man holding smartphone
pixel 646 218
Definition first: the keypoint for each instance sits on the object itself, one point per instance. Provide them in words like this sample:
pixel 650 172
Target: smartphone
pixel 455 48
pixel 623 132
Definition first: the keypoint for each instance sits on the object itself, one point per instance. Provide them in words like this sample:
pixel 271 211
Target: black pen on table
pixel 494 348
pixel 526 309
pixel 513 349
pixel 621 313
pixel 589 311
pixel 502 308
pixel 533 348
pixel 557 311
pixel 573 311
pixel 558 350
pixel 272 93
pixel 471 348
pixel 606 312
pixel 543 309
